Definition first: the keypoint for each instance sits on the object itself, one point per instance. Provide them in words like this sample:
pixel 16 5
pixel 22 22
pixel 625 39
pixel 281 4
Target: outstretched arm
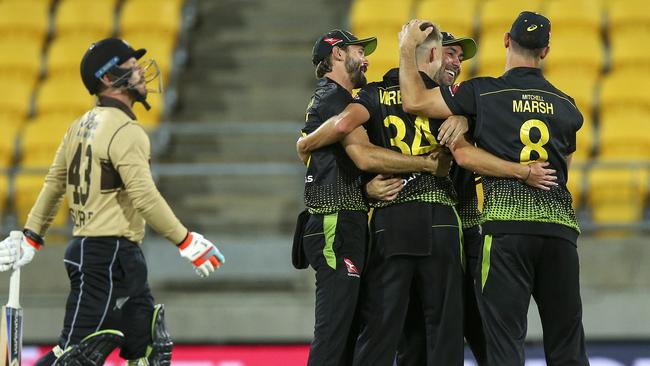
pixel 416 98
pixel 482 162
pixel 334 129
pixel 375 159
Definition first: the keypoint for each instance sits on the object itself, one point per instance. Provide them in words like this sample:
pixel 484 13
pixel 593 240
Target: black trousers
pixel 108 290
pixel 335 246
pixel 412 346
pixel 434 270
pixel 514 267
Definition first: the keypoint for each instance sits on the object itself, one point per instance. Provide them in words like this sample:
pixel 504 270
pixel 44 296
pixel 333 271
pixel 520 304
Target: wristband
pixel 33 239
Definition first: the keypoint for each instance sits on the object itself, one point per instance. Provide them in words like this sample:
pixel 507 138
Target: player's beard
pixel 443 78
pixel 355 72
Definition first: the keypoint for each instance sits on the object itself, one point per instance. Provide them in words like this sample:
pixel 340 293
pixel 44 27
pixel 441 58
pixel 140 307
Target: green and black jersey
pixel 389 126
pixel 521 117
pixel 465 182
pixel 332 182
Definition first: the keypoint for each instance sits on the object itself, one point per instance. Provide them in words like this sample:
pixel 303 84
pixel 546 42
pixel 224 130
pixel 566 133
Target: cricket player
pixel 335 233
pixel 102 168
pixel 530 235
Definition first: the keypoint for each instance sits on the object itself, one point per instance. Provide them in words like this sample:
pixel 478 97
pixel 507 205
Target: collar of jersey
pixel 104 101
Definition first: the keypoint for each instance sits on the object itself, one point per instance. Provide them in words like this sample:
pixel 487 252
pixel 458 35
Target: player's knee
pixel 160 353
pixel 92 350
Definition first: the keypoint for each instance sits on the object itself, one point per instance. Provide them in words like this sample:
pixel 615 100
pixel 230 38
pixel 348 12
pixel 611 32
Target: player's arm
pixel 24 245
pixel 333 130
pixel 375 159
pixel 129 152
pixel 482 162
pixel 416 98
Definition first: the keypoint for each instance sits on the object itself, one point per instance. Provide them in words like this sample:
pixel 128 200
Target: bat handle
pixel 14 280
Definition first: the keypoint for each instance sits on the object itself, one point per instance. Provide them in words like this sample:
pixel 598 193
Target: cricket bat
pixel 11 331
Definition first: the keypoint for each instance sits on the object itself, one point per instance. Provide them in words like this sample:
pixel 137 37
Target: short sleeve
pixel 367 97
pixel 461 98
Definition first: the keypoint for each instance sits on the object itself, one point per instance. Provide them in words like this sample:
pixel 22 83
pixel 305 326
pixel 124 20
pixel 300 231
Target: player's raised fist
pixel 203 255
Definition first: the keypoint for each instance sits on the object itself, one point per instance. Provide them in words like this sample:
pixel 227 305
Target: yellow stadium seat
pixel 20 58
pixel 369 16
pixel 628 16
pixel 65 53
pixel 90 18
pixel 151 118
pixel 385 57
pixel 16 99
pixel 624 136
pixel 158 48
pixel 629 53
pixel 575 184
pixel 24 19
pixel 458 15
pixel 157 16
pixel 584 16
pixel 40 139
pixel 27 188
pixel 498 15
pixel 577 85
pixel 491 56
pixel 623 91
pixel 617 195
pixel 584 140
pixel 578 53
pixel 63 95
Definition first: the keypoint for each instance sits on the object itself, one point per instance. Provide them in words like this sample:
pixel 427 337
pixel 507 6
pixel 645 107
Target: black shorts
pixel 108 290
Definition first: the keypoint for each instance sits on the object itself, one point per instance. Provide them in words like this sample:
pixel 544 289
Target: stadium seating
pixel 575 16
pixel 579 86
pixel 627 17
pixel 623 136
pixel 584 140
pixel 40 139
pixel 162 17
pixel 575 184
pixel 7 143
pixel 150 118
pixel 27 188
pixel 15 103
pixel 27 20
pixel 385 57
pixel 491 54
pixel 367 17
pixel 20 58
pixel 158 48
pixel 457 16
pixel 577 53
pixel 620 93
pixel 65 53
pixel 90 18
pixel 629 54
pixel 497 15
pixel 63 95
pixel 617 195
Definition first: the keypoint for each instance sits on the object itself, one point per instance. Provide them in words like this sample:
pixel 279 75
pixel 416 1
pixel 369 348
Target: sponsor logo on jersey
pixel 352 269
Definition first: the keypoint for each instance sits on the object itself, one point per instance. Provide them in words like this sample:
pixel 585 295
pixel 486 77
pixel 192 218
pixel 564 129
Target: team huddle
pixel 406 265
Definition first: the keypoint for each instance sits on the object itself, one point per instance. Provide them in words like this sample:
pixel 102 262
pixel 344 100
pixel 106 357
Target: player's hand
pixel 451 129
pixel 203 255
pixel 414 33
pixel 384 187
pixel 9 251
pixel 540 177
pixel 440 160
pixel 28 246
pixel 303 154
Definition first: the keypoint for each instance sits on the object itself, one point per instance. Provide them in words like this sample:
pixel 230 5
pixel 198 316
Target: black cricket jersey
pixel 390 127
pixel 465 182
pixel 521 117
pixel 332 182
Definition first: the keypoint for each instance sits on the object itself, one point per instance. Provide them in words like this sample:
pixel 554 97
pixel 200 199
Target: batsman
pixel 102 168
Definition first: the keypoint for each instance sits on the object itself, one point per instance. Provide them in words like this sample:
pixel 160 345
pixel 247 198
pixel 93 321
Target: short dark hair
pixel 325 65
pixel 526 52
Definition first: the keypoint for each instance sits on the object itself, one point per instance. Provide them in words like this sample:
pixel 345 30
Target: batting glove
pixel 9 250
pixel 203 255
pixel 30 242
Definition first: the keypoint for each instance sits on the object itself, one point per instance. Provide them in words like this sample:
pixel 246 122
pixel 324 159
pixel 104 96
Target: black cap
pixel 466 43
pixel 337 37
pixel 531 30
pixel 101 57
